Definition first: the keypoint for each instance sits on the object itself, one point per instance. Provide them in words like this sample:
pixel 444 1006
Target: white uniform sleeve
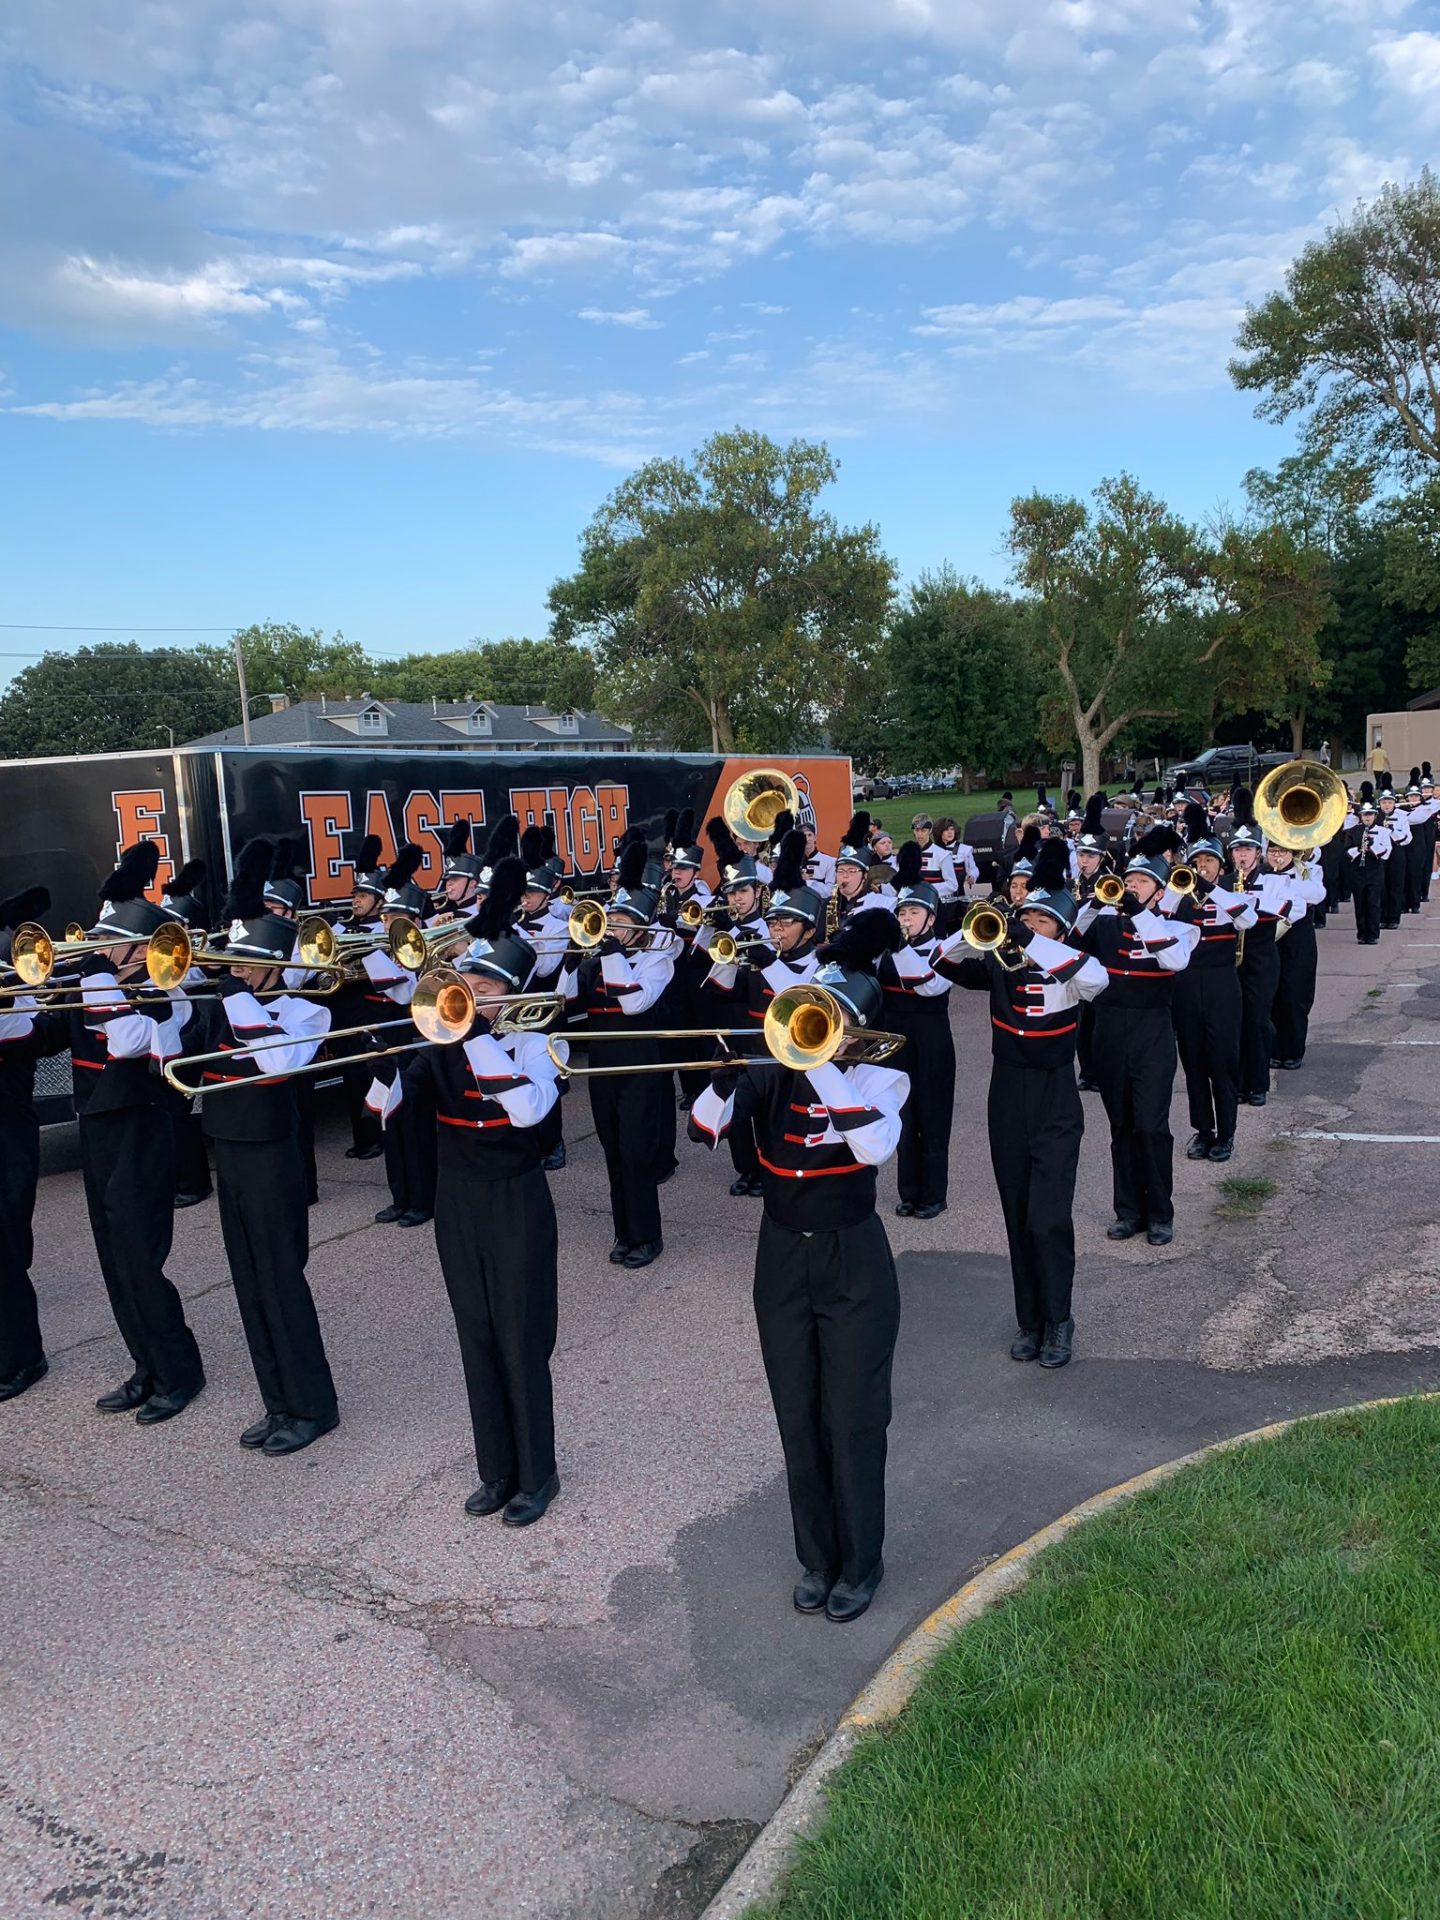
pixel 913 964
pixel 1080 974
pixel 281 1038
pixel 1239 909
pixel 523 1081
pixel 711 1115
pixel 637 981
pixel 1170 942
pixel 864 1105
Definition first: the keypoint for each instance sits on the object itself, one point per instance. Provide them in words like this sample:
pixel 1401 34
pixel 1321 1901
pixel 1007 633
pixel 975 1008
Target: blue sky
pixel 351 311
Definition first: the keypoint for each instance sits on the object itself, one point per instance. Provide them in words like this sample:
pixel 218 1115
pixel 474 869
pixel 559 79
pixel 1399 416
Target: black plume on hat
pixel 28 904
pixel 1414 776
pixel 187 879
pixel 864 937
pixel 1159 840
pixel 789 868
pixel 1425 769
pixel 1094 821
pixel 1242 807
pixel 685 827
pixel 504 841
pixel 496 914
pixel 368 858
pixel 784 823
pixel 1052 867
pixel 1367 789
pixel 1075 800
pixel 136 872
pixel 672 819
pixel 1197 821
pixel 1029 843
pixel 908 862
pixel 858 831
pixel 547 836
pixel 285 859
pixel 1042 799
pixel 532 846
pixel 727 850
pixel 408 862
pixel 632 865
pixel 246 898
pixel 457 841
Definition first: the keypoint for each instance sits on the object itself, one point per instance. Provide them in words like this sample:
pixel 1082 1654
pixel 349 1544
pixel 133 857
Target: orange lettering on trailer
pixel 422 821
pixel 613 806
pixel 138 816
pixel 582 820
pixel 378 822
pixel 533 806
pixel 326 817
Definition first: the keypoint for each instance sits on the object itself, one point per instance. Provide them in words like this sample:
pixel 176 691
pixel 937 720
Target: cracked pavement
pixel 312 1687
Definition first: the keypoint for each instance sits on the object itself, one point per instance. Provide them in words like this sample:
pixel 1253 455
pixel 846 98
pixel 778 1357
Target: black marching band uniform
pixel 827 1304
pixel 1206 1003
pixel 22 1350
pixel 1367 852
pixel 917 1005
pixel 730 986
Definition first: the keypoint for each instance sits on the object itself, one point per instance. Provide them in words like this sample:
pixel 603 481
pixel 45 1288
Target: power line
pixel 25 626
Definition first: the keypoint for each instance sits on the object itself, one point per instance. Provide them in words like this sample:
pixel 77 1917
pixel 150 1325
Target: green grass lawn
pixel 897 814
pixel 1219 1702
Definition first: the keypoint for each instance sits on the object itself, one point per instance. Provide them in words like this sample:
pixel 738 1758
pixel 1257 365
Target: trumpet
pixel 804 1027
pixel 725 950
pixel 695 913
pixel 755 801
pixel 987 930
pixel 441 1014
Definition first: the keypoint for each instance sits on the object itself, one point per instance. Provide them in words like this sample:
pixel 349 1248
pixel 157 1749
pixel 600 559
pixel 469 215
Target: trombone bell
pixel 755 801
pixel 1110 889
pixel 804 1027
pixel 588 924
pixel 169 955
pixel 443 1006
pixel 1182 879
pixel 987 930
pixel 1300 805
pixel 32 954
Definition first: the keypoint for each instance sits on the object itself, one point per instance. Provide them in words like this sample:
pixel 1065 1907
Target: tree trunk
pixel 722 734
pixel 1297 732
pixel 1089 757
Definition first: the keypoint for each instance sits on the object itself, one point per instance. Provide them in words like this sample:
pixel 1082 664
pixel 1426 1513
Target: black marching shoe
pixel 848 1602
pixel 757 1186
pixel 904 1210
pixel 1289 1066
pixel 1255 1099
pixel 22 1381
pixel 1199 1147
pixel 192 1199
pixel 642 1254
pixel 1055 1349
pixel 1124 1230
pixel 618 1253
pixel 555 1159
pixel 812 1590
pixel 387 1216
pixel 932 1212
pixel 130 1394
pixel 165 1406
pixel 489 1497
pixel 1026 1344
pixel 1222 1149
pixel 1160 1236
pixel 259 1431
pixel 364 1153
pixel 415 1217
pixel 290 1436
pixel 740 1186
pixel 1088 1086
pixel 526 1508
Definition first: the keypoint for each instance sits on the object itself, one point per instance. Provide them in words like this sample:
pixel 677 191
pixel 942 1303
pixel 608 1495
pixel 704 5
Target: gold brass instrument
pixel 417 948
pixel 1109 890
pixel 570 894
pixel 696 912
pixel 1182 879
pixel 755 801
pixel 804 1027
pixel 319 947
pixel 589 924
pixel 987 930
pixel 724 949
pixel 171 952
pixel 1300 805
pixel 441 1013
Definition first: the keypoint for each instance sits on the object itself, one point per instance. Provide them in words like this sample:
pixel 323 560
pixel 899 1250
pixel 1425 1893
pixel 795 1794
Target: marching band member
pixel 1206 999
pixel 1367 854
pixel 22 1350
pixel 1142 945
pixel 917 1004
pixel 683 889
pixel 937 863
pixel 740 894
pixel 253 1127
pixel 633 1113
pixel 285 894
pixel 181 901
pixel 1418 848
pixel 544 922
pixel 856 885
pixel 819 867
pixel 495 1232
pixel 827 1305
pixel 1035 1115
pixel 127 1140
pixel 1429 816
pixel 1295 992
pixel 459 876
pixel 1089 858
pixel 356 1002
pixel 950 839
pixel 1259 961
pixel 1392 903
pixel 410 1167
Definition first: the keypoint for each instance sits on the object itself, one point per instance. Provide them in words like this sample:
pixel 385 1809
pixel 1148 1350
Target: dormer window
pixel 566 723
pixel 372 720
pixel 480 722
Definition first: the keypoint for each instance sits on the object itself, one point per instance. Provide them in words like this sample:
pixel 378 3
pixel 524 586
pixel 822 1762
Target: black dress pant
pixel 1135 1065
pixel 1295 994
pixel 1367 891
pixel 265 1224
pixel 1036 1122
pixel 410 1153
pixel 922 1162
pixel 365 1130
pixel 1085 1040
pixel 1392 903
pixel 192 1160
pixel 497 1245
pixel 1429 829
pixel 303 1089
pixel 827 1306
pixel 20 1342
pixel 1416 861
pixel 1206 1009
pixel 629 1121
pixel 1259 977
pixel 128 1160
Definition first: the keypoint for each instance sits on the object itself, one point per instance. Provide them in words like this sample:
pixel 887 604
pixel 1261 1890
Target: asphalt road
pixel 311 1688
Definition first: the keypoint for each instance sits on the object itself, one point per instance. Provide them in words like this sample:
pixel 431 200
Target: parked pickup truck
pixel 1220 767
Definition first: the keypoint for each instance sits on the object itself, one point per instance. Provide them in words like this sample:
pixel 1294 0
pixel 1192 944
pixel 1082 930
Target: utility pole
pixel 244 696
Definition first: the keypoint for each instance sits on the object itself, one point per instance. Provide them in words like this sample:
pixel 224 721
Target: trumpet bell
pixel 985 929
pixel 1300 805
pixel 588 924
pixel 755 801
pixel 169 955
pixel 1182 879
pixel 804 1027
pixel 1110 889
pixel 691 914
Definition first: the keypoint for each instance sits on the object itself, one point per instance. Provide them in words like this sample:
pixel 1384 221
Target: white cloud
pixel 639 318
pixel 1409 64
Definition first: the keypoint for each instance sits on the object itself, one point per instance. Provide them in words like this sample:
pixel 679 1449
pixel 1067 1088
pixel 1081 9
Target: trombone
pixel 1109 890
pixel 804 1027
pixel 725 950
pixel 589 924
pixel 987 930
pixel 441 1013
pixel 417 948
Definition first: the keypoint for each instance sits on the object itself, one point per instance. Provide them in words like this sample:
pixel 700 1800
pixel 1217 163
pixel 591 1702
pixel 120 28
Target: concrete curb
pixel 758 1874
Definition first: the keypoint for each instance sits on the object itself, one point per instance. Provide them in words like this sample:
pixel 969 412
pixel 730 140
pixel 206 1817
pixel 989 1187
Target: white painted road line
pixel 1376 1139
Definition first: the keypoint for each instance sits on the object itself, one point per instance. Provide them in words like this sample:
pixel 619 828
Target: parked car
pixel 1220 767
pixel 870 786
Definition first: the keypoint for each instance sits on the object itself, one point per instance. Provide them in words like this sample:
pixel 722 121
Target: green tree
pixel 1117 602
pixel 725 609
pixel 1353 341
pixel 1410 581
pixel 116 697
pixel 283 658
pixel 966 689
pixel 548 673
pixel 1271 601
